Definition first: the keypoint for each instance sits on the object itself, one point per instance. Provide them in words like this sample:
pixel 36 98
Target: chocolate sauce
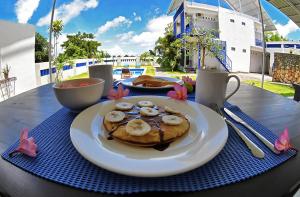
pixel 110 138
pixel 161 147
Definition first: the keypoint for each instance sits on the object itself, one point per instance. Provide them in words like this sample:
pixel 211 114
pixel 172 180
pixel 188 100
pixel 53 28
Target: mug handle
pixel 237 88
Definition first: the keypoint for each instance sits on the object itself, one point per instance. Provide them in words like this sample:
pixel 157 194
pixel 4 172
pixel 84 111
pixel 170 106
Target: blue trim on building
pixel 80 64
pixel 174 28
pixel 199 57
pixel 45 72
pixel 273 45
pixel 297 46
pixel 67 67
pixel 182 20
pixel 289 45
pixel 180 9
pixel 258 42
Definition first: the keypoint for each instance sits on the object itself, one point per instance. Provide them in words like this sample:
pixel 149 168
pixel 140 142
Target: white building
pixel 17 51
pixel 240 32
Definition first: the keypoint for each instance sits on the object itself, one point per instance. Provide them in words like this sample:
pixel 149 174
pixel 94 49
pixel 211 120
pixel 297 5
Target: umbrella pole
pixel 50 42
pixel 264 45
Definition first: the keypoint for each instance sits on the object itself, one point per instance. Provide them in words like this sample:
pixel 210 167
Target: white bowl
pixel 79 94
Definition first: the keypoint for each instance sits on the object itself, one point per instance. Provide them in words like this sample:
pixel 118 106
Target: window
pixel 244 50
pixel 243 23
pixel 232 20
pixel 233 48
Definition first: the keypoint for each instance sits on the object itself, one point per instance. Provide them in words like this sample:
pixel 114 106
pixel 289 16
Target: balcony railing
pixel 258 43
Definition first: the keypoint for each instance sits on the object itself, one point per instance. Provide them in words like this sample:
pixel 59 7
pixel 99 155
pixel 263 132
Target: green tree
pixel 145 56
pixel 271 36
pixel 81 45
pixel 60 61
pixel 205 39
pixel 168 50
pixel 57 28
pixel 41 48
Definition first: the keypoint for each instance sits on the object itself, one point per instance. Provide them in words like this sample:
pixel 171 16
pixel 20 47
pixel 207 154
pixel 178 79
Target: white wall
pixel 238 36
pixel 17 50
pixel 256 61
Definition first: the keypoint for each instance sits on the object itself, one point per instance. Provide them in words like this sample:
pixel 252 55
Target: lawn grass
pixel 82 75
pixel 179 75
pixel 283 90
pixel 150 70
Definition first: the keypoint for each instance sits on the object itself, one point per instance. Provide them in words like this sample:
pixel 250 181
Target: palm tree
pixel 57 29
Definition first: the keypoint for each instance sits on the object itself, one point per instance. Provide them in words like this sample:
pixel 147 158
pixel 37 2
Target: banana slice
pixel 147 111
pixel 172 120
pixel 137 127
pixel 123 106
pixel 115 116
pixel 145 104
pixel 171 110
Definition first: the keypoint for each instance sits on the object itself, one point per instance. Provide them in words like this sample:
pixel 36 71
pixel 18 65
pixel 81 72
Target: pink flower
pixel 179 93
pixel 118 94
pixel 283 142
pixel 187 79
pixel 27 145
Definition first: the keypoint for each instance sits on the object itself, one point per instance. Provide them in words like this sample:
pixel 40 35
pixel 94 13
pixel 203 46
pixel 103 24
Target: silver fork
pixel 255 150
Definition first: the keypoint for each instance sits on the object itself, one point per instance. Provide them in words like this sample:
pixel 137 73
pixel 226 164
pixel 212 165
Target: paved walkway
pixel 242 76
pixel 252 76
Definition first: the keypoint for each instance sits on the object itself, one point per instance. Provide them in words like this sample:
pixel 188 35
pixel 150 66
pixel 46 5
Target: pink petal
pixel 172 94
pixel 177 87
pixel 283 142
pixel 126 92
pixel 184 93
pixel 112 94
pixel 279 146
pixel 284 137
pixel 120 91
pixel 24 134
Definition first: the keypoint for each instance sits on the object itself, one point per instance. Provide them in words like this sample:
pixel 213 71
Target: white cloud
pixel 138 18
pixel 157 10
pixel 68 11
pixel 25 8
pixel 61 39
pixel 132 43
pixel 115 50
pixel 286 29
pixel 155 29
pixel 120 20
pixel 125 36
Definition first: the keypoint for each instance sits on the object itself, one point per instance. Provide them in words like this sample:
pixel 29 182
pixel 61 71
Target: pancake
pixel 149 81
pixel 160 133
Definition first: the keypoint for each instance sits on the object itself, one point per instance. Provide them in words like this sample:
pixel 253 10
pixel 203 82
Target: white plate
pixel 128 83
pixel 206 138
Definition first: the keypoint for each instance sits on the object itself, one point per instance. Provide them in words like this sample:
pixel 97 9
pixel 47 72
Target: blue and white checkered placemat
pixel 58 161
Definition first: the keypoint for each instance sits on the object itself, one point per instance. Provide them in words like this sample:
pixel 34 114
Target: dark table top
pixel 33 107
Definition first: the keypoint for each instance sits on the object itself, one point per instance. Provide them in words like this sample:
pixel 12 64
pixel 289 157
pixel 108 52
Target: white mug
pixel 104 71
pixel 211 87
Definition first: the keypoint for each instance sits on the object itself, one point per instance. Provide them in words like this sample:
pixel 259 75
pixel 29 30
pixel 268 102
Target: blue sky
pixel 122 26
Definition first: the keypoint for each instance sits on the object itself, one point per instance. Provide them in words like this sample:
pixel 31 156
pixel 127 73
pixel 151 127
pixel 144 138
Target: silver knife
pixel 258 135
pixel 255 150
